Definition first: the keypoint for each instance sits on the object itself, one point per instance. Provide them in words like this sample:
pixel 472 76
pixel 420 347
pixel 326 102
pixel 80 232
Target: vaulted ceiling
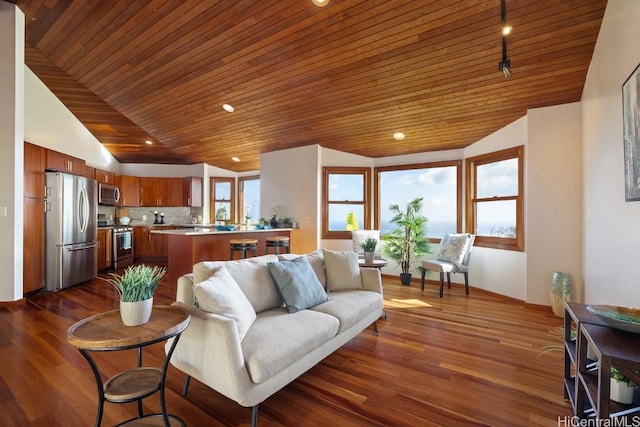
pixel 345 76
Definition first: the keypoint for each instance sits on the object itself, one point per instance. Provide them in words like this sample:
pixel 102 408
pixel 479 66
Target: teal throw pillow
pixel 297 283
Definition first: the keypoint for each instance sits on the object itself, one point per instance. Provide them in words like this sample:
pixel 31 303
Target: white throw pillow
pixel 453 248
pixel 221 294
pixel 342 270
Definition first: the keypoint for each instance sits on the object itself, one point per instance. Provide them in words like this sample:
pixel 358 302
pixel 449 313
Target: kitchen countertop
pixel 203 230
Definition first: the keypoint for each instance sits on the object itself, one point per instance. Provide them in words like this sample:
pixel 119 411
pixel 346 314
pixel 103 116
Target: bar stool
pixel 243 245
pixel 277 242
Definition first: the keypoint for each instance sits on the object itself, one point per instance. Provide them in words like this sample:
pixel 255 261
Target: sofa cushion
pixel 220 294
pixel 316 260
pixel 342 269
pixel 350 306
pixel 277 339
pixel 297 283
pixel 251 275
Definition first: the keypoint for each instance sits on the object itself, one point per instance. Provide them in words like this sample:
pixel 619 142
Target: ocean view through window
pixel 437 183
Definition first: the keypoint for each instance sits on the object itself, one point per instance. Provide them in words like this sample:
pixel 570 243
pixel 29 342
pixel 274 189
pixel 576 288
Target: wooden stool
pixel 243 245
pixel 277 242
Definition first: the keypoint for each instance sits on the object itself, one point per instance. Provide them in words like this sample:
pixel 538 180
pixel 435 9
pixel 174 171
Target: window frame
pixel 213 199
pixel 506 243
pixel 327 171
pixel 241 181
pixel 428 165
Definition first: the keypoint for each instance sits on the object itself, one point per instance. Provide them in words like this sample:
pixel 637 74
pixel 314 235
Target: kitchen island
pixel 189 246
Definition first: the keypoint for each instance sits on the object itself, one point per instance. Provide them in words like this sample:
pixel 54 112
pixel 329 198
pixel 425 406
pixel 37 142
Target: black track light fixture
pixel 505 64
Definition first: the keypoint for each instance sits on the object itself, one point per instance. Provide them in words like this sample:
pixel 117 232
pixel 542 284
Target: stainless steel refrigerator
pixel 71 230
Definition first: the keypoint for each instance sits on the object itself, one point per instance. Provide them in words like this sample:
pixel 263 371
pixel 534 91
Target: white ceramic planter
pixel 136 313
pixel 621 391
pixel 368 256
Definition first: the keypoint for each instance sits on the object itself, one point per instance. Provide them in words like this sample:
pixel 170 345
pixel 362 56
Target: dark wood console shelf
pixel 586 379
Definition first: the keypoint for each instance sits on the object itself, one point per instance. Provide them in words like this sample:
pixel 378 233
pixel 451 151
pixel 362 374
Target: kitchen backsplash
pixel 180 215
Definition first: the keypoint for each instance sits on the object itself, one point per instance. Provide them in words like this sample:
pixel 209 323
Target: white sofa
pixel 249 355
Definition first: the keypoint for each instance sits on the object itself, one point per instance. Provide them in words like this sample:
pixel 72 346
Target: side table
pixel 106 332
pixel 376 263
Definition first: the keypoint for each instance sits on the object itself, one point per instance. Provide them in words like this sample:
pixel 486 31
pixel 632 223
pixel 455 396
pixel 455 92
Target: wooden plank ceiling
pixel 345 76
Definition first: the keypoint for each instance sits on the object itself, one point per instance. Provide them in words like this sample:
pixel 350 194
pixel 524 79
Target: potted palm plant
pixel 408 238
pixel 136 287
pixel 369 247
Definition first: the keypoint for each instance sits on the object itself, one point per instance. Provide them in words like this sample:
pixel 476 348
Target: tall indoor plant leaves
pixel 409 237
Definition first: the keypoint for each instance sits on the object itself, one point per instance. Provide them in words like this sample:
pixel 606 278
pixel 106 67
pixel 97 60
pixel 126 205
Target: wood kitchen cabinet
pixel 129 187
pixel 192 192
pixel 33 226
pixel 89 172
pixel 105 248
pixel 34 158
pixel 165 192
pixel 63 163
pixel 33 245
pixel 105 177
pixel 150 246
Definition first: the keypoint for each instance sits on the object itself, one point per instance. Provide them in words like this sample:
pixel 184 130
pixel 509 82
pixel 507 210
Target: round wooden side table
pixel 106 332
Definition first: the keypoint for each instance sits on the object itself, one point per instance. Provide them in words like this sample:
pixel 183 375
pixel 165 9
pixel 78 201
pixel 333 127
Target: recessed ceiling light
pixel 228 108
pixel 321 3
pixel 148 142
pixel 506 29
pixel 235 159
pixel 399 136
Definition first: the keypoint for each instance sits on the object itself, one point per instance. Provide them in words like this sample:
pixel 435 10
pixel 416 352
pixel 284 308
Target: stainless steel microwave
pixel 108 194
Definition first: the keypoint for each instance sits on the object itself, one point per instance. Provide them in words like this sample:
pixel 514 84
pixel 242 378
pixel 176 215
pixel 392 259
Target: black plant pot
pixel 405 279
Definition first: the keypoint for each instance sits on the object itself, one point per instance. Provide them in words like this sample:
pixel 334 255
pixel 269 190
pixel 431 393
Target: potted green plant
pixel 408 238
pixel 136 287
pixel 369 247
pixel 621 388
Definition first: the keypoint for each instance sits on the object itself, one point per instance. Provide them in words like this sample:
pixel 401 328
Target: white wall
pixel 291 179
pixel 11 147
pixel 495 270
pixel 553 198
pixel 49 123
pixel 611 226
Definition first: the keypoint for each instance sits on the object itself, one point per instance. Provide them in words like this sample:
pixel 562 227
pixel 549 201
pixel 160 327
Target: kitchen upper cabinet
pixel 192 192
pixel 64 163
pixel 105 248
pixel 34 159
pixel 173 192
pixel 129 187
pixel 105 177
pixel 89 172
pixel 166 192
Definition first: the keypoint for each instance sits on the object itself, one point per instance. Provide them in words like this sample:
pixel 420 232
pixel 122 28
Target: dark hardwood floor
pixel 464 361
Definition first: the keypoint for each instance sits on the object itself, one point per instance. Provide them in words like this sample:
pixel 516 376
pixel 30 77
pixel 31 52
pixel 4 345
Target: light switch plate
pixel 3 211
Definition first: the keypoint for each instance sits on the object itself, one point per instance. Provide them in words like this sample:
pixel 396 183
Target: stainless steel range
pixel 122 246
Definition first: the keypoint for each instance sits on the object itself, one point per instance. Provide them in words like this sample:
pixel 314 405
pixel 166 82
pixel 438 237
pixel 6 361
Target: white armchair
pixel 452 257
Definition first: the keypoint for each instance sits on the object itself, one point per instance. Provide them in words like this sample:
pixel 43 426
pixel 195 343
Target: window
pixel 222 199
pixel 495 199
pixel 345 201
pixel 249 198
pixel 440 186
